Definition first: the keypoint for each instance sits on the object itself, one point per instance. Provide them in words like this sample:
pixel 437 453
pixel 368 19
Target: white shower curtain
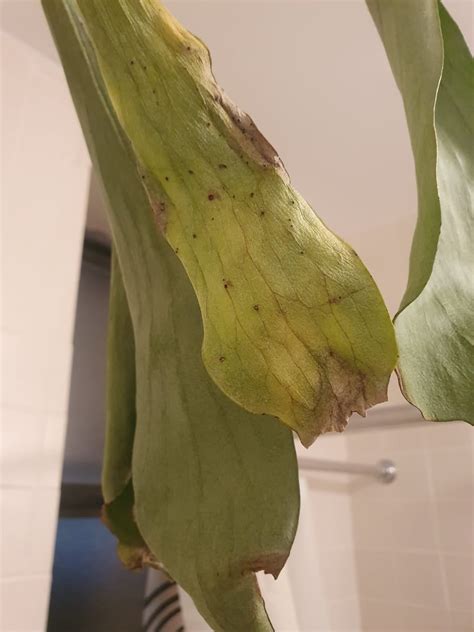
pixel 162 607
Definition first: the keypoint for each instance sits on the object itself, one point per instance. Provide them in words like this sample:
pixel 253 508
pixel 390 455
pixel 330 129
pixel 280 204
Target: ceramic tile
pixel 344 616
pixel 424 619
pixel 58 379
pixel 452 472
pixel 53 450
pixel 419 579
pixel 404 437
pixel 393 524
pixel 36 372
pixel 332 519
pixel 21 447
pixel 16 512
pixel 29 518
pixel 462 620
pixel 305 570
pixel 412 525
pixel 455 525
pixel 16 73
pixel 338 574
pixel 459 570
pixel 41 296
pixel 24 372
pixel 449 434
pixel 42 534
pixel 382 616
pixel 376 577
pixel 365 444
pixel 372 524
pixel 25 603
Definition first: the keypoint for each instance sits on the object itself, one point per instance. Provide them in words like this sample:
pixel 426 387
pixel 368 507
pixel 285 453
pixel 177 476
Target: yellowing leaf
pixel 294 325
pixel 434 71
pixel 214 489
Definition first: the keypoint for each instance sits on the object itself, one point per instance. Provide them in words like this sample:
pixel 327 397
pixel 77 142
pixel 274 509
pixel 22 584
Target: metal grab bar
pixel 384 470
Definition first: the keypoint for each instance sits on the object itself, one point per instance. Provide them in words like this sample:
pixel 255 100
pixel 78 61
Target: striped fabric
pixel 162 608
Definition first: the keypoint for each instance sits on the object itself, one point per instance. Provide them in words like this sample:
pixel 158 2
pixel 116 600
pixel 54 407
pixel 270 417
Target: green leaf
pixel 434 71
pixel 121 391
pixel 214 489
pixel 117 487
pixel 294 325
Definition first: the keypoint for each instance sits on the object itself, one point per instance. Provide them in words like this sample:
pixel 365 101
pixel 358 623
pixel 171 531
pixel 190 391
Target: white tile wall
pixel 29 518
pixel 413 539
pixel 25 603
pixel 376 573
pixel 462 620
pixel 459 570
pixel 330 496
pixel 45 172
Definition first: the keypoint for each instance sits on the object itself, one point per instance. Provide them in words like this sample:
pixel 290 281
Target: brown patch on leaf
pixel 137 558
pixel 344 389
pixel 159 212
pixel 248 136
pixel 269 563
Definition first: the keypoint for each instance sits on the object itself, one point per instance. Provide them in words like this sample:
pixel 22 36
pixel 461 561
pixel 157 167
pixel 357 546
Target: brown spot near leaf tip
pixel 271 563
pixel 251 140
pixel 159 211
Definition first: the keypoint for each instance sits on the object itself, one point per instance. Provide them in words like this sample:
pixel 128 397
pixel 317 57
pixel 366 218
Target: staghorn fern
pixel 230 298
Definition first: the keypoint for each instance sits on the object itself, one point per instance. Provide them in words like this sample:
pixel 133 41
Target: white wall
pixel 334 599
pixel 45 172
